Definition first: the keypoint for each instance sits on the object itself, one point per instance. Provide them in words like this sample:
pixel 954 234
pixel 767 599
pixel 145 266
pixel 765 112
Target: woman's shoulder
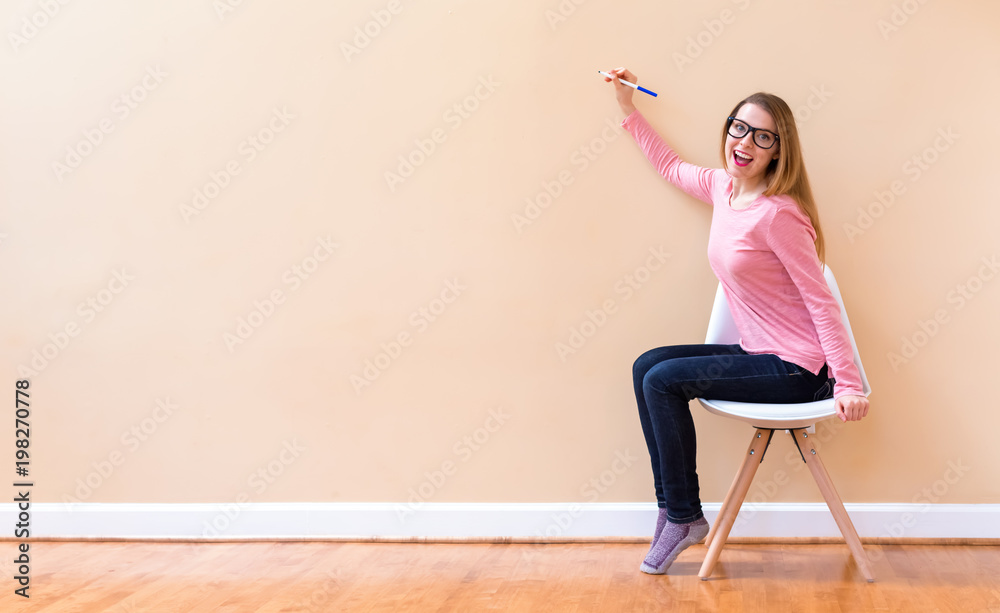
pixel 784 205
pixel 786 215
pixel 783 201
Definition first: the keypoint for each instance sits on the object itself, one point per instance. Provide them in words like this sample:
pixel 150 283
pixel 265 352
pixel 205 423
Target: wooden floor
pixel 134 577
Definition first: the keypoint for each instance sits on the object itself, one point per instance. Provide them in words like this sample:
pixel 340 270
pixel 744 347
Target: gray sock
pixel 674 539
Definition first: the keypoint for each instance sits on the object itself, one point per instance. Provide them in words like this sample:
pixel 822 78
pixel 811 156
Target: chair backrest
pixel 722 328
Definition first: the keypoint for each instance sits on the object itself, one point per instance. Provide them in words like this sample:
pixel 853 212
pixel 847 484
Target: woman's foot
pixel 673 539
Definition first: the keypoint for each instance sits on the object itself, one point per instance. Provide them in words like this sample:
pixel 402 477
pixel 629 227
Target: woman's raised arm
pixel 696 181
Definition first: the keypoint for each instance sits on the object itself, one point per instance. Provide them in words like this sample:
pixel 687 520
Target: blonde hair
pixel 786 174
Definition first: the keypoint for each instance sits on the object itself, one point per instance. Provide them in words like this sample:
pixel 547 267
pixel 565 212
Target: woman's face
pixel 745 159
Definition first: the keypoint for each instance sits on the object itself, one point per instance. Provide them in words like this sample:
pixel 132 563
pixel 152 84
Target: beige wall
pixel 283 401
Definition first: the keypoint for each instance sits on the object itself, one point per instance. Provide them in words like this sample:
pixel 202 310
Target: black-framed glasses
pixel 764 139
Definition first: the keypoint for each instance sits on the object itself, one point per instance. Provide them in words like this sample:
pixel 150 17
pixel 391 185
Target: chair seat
pixel 776 416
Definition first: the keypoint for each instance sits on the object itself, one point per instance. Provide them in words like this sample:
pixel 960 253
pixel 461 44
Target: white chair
pixel 797 419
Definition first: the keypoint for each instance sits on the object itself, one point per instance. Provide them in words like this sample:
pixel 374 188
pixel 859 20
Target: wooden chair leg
pixel 833 500
pixel 734 500
pixel 726 502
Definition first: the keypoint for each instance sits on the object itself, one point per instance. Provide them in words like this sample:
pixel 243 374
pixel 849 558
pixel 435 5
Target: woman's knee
pixel 645 362
pixel 651 358
pixel 671 377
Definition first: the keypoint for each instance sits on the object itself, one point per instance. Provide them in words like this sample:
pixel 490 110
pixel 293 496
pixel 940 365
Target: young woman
pixel 766 247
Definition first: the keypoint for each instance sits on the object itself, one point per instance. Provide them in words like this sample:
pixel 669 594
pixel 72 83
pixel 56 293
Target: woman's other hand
pixel 851 408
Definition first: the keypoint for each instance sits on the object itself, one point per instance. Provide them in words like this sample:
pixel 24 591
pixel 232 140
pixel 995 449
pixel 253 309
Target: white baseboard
pixel 521 521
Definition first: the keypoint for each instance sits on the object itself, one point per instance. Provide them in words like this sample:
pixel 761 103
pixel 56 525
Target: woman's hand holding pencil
pixel 625 83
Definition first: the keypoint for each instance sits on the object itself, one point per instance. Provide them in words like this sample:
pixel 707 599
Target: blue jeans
pixel 668 378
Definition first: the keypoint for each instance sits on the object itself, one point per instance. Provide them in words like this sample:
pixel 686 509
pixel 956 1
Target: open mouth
pixel 741 159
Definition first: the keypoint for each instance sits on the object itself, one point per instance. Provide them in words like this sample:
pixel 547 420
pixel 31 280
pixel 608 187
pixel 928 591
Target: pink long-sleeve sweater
pixel 765 259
